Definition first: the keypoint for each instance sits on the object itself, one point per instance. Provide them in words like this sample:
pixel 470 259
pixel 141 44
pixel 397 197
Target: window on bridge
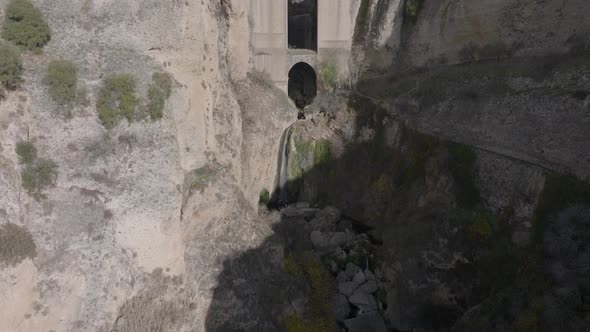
pixel 303 24
pixel 302 84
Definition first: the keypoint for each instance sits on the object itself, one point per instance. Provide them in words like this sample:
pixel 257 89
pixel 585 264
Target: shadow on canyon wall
pixel 449 257
pixel 447 260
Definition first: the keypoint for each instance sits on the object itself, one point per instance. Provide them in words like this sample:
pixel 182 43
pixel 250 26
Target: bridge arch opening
pixel 303 24
pixel 302 84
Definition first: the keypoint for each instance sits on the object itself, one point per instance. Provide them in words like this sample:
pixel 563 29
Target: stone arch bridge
pixel 286 33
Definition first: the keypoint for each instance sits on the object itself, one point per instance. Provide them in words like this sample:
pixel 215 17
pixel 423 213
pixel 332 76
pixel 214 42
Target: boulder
pixel 295 212
pixel 337 239
pixel 347 288
pixel 326 219
pixel 302 205
pixel 363 300
pixel 319 239
pixel 339 254
pixel 340 307
pixel 369 287
pixel 352 269
pixel 359 278
pixel 333 267
pixel 342 277
pixel 368 322
pixel 327 240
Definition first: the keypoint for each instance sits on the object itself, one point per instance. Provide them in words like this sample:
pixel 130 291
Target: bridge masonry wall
pixel 269 29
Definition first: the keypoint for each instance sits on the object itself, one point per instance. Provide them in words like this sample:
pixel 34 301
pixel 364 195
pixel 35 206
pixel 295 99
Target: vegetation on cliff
pixel 25 26
pixel 16 244
pixel 158 92
pixel 117 100
pixel 11 67
pixel 62 81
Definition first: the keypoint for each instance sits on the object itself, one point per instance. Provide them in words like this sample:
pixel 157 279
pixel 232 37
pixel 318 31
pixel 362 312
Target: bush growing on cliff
pixel 38 176
pixel 482 227
pixel 25 26
pixel 116 100
pixel 16 244
pixel 10 67
pixel 26 152
pixel 158 92
pixel 264 196
pixel 62 80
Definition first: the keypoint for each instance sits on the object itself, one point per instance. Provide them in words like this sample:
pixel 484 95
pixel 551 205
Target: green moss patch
pixel 322 152
pixel 412 9
pixel 328 75
pixel 322 291
pixel 482 227
pixel 292 266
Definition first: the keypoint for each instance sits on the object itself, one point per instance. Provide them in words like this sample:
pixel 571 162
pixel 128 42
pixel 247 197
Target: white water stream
pixel 283 195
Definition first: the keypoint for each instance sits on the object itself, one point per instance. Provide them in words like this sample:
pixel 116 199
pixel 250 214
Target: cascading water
pixel 283 194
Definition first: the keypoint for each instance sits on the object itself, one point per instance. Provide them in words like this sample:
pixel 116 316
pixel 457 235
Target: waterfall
pixel 283 195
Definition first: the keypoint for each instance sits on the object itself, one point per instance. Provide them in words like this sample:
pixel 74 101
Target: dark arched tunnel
pixel 302 84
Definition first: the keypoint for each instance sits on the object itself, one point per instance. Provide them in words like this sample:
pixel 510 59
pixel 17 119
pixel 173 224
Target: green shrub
pixel 16 244
pixel 39 176
pixel 62 79
pixel 26 152
pixel 482 227
pixel 116 100
pixel 264 196
pixel 11 67
pixel 158 92
pixel 25 26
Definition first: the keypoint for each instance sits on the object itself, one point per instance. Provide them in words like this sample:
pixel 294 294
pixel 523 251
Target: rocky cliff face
pixel 445 162
pixel 134 208
pixel 449 149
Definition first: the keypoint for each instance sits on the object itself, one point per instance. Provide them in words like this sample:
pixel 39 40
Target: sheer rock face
pixel 451 31
pixel 123 240
pixel 118 211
